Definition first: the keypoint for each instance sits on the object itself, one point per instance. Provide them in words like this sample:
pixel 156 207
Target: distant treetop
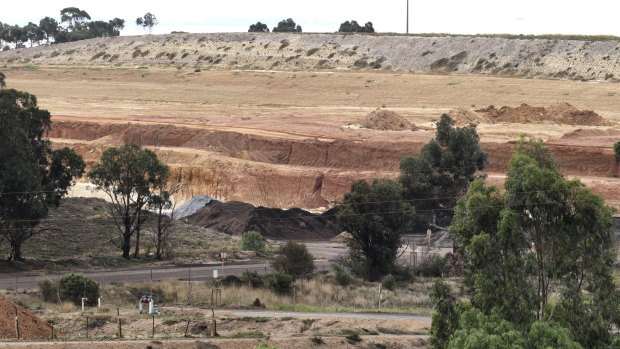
pixel 287 25
pixel 354 27
pixel 258 28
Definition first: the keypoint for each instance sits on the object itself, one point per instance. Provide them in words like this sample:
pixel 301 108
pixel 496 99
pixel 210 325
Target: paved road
pixel 197 273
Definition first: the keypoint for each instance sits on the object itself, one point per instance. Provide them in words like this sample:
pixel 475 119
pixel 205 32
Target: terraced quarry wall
pixel 560 59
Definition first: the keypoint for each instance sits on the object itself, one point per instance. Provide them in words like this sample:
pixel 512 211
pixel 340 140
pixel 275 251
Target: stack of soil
pixel 30 326
pixel 386 120
pixel 559 113
pixel 236 218
pixel 466 117
pixel 194 204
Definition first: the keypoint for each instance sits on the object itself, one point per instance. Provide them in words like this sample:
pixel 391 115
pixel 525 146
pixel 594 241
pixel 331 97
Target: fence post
pixel 52 328
pixel 153 334
pixel 87 327
pixel 120 330
pixel 16 323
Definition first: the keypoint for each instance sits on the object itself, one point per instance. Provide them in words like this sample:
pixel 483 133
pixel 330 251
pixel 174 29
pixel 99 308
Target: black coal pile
pixel 235 218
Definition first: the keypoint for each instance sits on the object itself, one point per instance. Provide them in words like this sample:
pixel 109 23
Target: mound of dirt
pixel 386 120
pixel 466 117
pixel 30 326
pixel 236 218
pixel 559 113
pixel 343 237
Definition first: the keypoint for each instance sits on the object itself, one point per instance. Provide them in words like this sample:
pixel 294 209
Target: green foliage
pixel 544 236
pixel 616 146
pixel 312 51
pixel 375 216
pixel 281 282
pixel 262 345
pixel 341 277
pixel 435 266
pixel 230 280
pixel 442 172
pixel 293 258
pixel 480 331
pixel 445 318
pixel 2 82
pixel 258 28
pixel 147 22
pixel 32 175
pixel 48 290
pixel 354 27
pixel 129 175
pixel 252 278
pixel 252 241
pixel 287 25
pixel 72 287
pixel 388 282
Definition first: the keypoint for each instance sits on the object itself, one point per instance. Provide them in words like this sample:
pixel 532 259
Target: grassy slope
pixel 81 234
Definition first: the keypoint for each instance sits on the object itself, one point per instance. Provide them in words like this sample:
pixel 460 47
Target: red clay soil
pixel 559 113
pixel 30 326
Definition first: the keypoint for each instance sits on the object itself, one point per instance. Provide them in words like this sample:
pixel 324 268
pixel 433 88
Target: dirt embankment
pixel 307 173
pixel 30 326
pixel 561 59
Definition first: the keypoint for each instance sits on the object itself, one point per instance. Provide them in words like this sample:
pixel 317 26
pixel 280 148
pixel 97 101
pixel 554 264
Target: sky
pixel 425 16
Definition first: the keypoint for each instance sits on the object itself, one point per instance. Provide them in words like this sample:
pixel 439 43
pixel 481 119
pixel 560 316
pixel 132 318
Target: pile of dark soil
pixel 386 120
pixel 30 326
pixel 236 218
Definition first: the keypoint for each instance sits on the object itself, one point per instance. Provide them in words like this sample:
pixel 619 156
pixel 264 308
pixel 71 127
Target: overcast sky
pixel 425 16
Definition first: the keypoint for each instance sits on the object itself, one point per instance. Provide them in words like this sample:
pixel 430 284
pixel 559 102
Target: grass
pixel 85 224
pixel 248 334
pixel 312 51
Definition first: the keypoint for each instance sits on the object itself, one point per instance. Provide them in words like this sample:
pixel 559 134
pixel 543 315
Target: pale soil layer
pixel 286 139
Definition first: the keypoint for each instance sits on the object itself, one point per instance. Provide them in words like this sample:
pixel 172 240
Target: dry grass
pixel 317 294
pixel 66 307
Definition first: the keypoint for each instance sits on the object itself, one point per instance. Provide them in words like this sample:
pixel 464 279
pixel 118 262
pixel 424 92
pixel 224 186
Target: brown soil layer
pixel 30 326
pixel 277 139
pixel 558 113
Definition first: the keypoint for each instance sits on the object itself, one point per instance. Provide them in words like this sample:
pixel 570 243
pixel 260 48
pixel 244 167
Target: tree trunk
pixel 16 251
pixel 127 238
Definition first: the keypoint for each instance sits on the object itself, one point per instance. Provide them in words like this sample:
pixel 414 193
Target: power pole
pixel 407 16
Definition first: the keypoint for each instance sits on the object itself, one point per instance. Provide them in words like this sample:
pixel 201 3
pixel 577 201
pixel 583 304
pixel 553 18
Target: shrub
pixel 312 51
pixel 388 282
pixel 294 259
pixel 342 278
pixel 287 25
pixel 252 241
pixel 231 280
pixel 281 282
pixel 72 287
pixel 48 291
pixel 617 151
pixel 252 278
pixel 435 266
pixel 258 27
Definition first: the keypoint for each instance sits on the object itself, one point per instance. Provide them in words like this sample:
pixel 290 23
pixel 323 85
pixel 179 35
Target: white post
pixel 150 306
pixel 99 302
pixel 140 305
pixel 83 304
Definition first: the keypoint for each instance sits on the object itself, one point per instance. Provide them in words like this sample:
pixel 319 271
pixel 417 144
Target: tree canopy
pixel 147 22
pixel 435 179
pixel 375 216
pixel 287 25
pixel 258 27
pixel 128 175
pixel 545 236
pixel 74 18
pixel 354 27
pixel 32 175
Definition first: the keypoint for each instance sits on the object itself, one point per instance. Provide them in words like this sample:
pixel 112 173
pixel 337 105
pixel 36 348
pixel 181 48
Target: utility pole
pixel 407 16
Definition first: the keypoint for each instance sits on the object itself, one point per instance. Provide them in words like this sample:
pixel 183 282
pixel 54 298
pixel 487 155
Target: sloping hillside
pixel 560 59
